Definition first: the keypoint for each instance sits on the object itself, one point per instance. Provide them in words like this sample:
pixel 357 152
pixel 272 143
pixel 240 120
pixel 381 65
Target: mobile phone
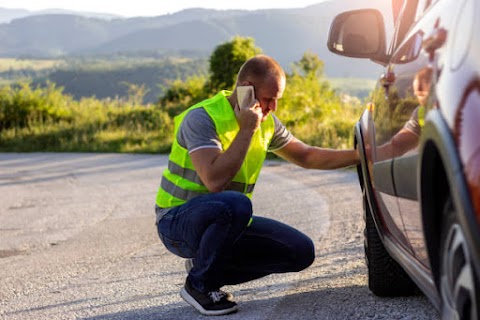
pixel 245 94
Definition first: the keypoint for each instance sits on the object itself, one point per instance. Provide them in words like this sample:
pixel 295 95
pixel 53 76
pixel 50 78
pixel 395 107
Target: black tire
pixel 459 284
pixel 386 278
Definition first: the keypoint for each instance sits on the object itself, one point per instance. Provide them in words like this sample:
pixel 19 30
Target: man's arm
pixel 216 168
pixel 403 141
pixel 311 157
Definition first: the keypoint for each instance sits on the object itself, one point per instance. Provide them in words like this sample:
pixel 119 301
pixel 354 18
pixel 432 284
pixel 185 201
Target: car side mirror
pixel 359 34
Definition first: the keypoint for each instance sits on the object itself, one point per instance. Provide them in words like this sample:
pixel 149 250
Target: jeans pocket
pixel 177 247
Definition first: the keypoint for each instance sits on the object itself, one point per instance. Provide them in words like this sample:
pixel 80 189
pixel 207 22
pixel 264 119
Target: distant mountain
pixel 285 34
pixel 7 15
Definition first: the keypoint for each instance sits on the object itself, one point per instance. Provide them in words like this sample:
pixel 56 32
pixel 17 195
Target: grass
pixel 359 87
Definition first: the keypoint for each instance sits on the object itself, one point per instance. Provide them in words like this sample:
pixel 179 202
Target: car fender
pixel 364 141
pixel 439 161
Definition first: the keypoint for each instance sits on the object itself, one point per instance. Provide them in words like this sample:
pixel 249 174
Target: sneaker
pixel 214 303
pixel 188 265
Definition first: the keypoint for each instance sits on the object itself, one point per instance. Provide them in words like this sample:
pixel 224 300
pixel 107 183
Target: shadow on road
pixel 321 304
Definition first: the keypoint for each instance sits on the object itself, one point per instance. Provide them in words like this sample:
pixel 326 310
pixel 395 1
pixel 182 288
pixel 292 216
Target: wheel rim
pixel 457 281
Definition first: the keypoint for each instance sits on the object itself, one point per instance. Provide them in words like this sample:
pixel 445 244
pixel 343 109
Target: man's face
pixel 421 91
pixel 268 92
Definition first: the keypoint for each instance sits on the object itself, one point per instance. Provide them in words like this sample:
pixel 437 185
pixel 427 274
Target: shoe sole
pixel 189 299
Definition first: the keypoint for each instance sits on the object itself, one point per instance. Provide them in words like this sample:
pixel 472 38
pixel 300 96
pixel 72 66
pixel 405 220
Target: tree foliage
pixel 225 62
pixel 227 59
pixel 309 66
pixel 183 94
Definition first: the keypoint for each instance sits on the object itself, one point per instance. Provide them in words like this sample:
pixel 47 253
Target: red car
pixel 419 141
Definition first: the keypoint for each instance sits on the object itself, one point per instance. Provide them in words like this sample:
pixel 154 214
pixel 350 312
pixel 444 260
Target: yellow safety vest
pixel 180 181
pixel 421 116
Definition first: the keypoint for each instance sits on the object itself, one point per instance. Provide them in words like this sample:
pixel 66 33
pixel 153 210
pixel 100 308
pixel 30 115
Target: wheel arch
pixel 441 174
pixel 362 172
pixel 358 145
pixel 433 181
pixel 364 177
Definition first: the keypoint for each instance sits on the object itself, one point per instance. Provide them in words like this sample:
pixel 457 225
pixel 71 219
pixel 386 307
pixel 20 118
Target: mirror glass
pixel 357 33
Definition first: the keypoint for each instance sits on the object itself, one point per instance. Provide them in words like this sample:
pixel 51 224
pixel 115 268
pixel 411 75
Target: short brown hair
pixel 258 68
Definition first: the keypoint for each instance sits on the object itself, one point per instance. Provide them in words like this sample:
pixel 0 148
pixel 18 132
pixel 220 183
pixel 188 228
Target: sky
pixel 132 8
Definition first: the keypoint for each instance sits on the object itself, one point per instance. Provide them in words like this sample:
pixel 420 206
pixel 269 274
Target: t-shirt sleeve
pixel 281 135
pixel 197 131
pixel 412 124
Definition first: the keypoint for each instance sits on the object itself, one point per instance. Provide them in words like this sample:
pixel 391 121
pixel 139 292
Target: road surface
pixel 78 241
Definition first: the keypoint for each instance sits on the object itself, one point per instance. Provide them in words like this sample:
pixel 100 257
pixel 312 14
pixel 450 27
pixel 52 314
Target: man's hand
pixel 217 168
pixel 249 115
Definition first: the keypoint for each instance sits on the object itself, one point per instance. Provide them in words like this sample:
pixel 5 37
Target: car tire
pixel 386 278
pixel 459 285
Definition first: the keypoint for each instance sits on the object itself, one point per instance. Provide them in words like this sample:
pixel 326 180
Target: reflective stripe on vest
pixel 192 176
pixel 180 182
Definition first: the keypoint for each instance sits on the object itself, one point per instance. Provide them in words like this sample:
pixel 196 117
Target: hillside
pixel 285 34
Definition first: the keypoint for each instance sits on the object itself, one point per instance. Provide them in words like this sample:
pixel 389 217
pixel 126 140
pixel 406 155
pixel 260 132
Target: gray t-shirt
pixel 197 131
pixel 413 124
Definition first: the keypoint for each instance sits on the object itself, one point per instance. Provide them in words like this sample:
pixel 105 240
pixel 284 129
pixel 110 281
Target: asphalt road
pixel 78 241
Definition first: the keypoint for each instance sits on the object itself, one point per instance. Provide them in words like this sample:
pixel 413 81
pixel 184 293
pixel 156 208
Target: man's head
pixel 421 85
pixel 268 79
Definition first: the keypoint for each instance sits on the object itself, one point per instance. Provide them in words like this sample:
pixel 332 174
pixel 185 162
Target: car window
pixel 405 22
pixel 410 50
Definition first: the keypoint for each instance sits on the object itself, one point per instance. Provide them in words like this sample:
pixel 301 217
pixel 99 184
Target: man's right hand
pixel 217 168
pixel 249 116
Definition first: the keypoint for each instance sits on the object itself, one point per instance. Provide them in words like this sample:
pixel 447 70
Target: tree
pixel 227 59
pixel 310 65
pixel 308 96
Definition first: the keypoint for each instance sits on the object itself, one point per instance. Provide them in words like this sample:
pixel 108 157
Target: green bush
pixel 47 120
pixel 22 106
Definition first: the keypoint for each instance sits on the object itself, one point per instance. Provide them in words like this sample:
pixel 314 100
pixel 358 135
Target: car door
pixel 433 24
pixel 412 79
pixel 394 103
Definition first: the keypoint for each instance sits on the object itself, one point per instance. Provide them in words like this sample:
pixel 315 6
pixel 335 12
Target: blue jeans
pixel 212 229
